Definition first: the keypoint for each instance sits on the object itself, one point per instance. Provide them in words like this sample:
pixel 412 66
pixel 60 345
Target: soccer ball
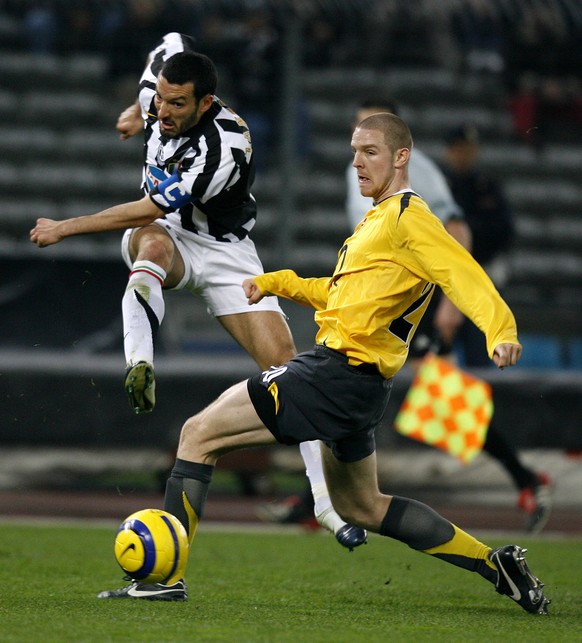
pixel 151 546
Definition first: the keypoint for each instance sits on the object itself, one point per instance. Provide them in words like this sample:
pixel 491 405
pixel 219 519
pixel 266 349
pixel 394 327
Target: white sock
pixel 143 311
pixel 311 454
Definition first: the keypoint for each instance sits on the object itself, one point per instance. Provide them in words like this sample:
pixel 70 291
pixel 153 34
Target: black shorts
pixel 319 396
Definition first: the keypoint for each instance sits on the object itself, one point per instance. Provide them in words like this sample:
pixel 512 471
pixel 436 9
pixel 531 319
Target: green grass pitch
pixel 274 587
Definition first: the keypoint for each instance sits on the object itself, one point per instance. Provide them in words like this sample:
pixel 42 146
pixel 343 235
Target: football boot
pixel 515 579
pixel 156 592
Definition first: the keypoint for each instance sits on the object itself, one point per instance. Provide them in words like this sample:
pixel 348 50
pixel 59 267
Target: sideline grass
pixel 261 587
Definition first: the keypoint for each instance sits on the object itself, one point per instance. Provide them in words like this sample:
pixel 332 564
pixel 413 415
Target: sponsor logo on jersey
pixel 154 176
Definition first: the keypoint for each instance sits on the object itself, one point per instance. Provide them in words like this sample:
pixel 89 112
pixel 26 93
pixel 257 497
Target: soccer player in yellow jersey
pixel 367 312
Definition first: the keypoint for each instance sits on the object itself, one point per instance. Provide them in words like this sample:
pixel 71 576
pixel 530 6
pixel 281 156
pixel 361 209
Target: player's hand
pixel 506 355
pixel 252 292
pixel 130 122
pixel 45 233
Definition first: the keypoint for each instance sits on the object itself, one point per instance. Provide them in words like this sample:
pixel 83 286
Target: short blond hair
pixel 396 132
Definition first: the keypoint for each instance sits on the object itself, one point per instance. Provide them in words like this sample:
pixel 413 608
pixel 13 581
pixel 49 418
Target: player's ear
pixel 206 103
pixel 401 157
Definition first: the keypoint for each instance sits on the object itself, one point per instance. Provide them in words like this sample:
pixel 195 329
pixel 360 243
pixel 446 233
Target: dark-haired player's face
pixel 178 110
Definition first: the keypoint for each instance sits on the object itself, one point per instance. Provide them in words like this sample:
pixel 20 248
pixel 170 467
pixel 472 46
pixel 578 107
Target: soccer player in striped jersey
pixel 191 228
pixel 367 313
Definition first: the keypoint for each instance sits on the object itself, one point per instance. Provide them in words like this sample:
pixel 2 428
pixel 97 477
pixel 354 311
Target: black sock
pixel 423 529
pixel 415 524
pixel 186 492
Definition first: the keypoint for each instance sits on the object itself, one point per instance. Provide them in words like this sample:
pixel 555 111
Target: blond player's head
pixel 381 145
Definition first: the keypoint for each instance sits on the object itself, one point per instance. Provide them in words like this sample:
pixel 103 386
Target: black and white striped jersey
pixel 205 176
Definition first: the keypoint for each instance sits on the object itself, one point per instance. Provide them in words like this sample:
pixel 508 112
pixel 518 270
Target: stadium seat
pixel 575 354
pixel 540 351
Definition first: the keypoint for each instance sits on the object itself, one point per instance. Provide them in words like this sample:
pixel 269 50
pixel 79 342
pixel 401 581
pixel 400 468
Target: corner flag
pixel 446 408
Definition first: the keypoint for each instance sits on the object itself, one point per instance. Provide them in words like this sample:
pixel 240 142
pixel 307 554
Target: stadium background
pixel 295 70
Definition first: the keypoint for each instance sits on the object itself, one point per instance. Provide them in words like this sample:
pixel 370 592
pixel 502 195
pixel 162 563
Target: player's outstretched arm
pixel 506 355
pixel 135 214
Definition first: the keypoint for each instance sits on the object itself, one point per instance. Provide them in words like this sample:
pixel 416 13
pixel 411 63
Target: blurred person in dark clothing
pixel 488 215
pixel 490 219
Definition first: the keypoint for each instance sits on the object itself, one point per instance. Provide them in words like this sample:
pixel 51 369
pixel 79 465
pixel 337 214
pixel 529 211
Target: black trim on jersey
pixel 146 84
pixel 158 61
pixel 188 42
pixel 210 114
pixel 238 156
pixel 404 202
pixel 228 125
pixel 212 164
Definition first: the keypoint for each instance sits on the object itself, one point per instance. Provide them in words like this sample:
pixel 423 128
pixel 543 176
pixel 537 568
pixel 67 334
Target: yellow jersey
pixel 383 281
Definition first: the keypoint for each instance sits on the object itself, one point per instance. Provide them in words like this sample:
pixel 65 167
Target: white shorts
pixel 214 270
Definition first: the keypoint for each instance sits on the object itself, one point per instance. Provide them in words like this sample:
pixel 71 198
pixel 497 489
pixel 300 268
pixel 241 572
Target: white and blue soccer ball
pixel 151 546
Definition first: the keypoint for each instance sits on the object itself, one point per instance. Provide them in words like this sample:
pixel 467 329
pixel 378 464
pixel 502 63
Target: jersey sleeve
pixel 312 291
pixel 436 256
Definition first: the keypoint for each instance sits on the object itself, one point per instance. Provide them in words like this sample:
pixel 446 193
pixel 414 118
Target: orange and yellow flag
pixel 446 408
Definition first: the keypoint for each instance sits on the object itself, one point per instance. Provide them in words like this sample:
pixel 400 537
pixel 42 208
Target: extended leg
pixel 355 494
pixel 155 263
pixel 143 311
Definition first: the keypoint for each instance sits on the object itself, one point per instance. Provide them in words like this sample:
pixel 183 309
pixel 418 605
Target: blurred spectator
pixel 523 108
pixel 544 73
pixel 399 33
pixel 41 28
pixel 479 30
pixel 133 26
pixel 63 26
pixel 256 68
pixel 489 216
pixel 541 40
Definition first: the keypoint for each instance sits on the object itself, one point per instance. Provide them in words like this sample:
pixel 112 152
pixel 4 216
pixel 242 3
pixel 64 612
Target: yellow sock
pixel 466 551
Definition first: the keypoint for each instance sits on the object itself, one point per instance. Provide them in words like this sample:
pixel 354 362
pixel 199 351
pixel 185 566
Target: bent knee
pixel 151 243
pixel 195 440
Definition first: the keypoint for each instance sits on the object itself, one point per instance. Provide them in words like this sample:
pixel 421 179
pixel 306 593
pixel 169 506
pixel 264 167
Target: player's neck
pixel 399 183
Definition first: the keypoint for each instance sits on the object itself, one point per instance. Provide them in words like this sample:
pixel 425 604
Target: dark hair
pixel 191 67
